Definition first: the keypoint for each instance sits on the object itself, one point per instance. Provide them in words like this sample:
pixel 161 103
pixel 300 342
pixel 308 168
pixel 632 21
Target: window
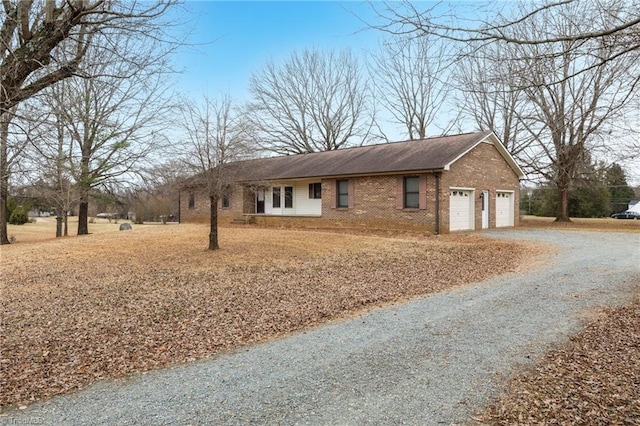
pixel 226 196
pixel 276 197
pixel 342 193
pixel 192 200
pixel 288 197
pixel 411 192
pixel 315 190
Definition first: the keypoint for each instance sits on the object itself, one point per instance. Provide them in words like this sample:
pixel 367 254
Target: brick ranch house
pixel 438 185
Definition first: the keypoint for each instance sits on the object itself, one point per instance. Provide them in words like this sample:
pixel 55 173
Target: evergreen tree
pixel 621 193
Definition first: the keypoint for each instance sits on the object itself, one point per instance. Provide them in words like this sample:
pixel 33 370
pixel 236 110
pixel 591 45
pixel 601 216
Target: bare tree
pixel 492 99
pixel 558 75
pixel 155 195
pixel 18 127
pixel 314 101
pixel 412 79
pixel 44 42
pixel 111 124
pixel 56 184
pixel 497 22
pixel 215 137
pixel 575 91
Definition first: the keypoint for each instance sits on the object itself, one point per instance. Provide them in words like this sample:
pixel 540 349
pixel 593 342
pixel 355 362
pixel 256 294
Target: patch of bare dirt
pixel 594 379
pixel 77 310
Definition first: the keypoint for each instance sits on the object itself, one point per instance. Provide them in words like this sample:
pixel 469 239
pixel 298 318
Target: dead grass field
pixel 80 309
pixel 601 224
pixel 77 310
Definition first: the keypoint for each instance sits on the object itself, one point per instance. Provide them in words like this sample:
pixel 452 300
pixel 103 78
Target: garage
pixel 504 208
pixel 460 210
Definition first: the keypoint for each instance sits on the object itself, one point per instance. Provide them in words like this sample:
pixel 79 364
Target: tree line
pixel 599 192
pixel 85 103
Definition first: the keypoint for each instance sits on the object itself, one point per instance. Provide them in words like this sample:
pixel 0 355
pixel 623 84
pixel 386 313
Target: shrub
pixel 18 217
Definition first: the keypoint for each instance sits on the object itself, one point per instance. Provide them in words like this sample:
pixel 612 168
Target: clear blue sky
pixel 243 35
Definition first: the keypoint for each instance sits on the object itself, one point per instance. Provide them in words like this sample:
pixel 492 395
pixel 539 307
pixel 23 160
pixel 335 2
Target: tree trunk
pixel 59 223
pixel 4 179
pixel 213 232
pixel 562 214
pixel 83 216
pixel 4 235
pixel 65 217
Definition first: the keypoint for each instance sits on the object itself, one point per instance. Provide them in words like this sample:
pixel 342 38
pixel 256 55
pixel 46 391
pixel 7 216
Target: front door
pixel 260 200
pixel 485 209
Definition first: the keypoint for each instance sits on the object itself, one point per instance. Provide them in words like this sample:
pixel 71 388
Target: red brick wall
pixel 201 211
pixel 374 200
pixel 482 168
pixel 374 205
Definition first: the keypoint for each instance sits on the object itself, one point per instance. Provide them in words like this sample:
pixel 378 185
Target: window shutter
pixel 423 192
pixel 399 192
pixel 351 197
pixel 334 193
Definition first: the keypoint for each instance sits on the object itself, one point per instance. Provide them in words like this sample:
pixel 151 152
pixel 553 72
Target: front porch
pixel 289 199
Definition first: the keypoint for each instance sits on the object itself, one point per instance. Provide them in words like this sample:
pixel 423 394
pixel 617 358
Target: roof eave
pixel 348 175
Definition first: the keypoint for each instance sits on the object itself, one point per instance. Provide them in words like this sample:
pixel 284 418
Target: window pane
pixel 315 190
pixel 288 197
pixel 412 192
pixel 411 201
pixel 276 197
pixel 343 187
pixel 343 193
pixel 411 184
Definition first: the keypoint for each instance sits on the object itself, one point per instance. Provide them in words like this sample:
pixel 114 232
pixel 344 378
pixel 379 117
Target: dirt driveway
pixel 435 360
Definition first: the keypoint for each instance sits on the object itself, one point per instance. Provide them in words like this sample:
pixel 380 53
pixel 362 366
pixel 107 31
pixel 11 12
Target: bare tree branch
pixel 215 136
pixel 314 101
pixel 412 77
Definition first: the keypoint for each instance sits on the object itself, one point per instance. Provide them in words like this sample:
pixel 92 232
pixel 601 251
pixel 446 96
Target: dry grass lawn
pixel 602 224
pixel 79 309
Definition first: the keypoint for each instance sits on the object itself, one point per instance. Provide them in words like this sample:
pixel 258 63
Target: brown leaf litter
pixel 592 380
pixel 82 309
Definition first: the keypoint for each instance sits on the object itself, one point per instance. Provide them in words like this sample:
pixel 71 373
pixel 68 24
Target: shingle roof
pixel 417 155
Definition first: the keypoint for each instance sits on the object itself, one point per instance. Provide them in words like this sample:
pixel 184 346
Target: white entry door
pixel 460 210
pixel 504 209
pixel 485 209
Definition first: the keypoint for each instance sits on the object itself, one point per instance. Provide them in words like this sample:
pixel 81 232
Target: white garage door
pixel 504 209
pixel 460 216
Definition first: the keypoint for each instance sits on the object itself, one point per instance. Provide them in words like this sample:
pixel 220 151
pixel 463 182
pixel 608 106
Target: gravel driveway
pixel 435 360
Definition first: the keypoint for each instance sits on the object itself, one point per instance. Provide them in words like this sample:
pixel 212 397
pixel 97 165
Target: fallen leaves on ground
pixel 82 309
pixel 594 379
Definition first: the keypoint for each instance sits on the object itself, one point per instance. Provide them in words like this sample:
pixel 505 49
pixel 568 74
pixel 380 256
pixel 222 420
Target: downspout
pixel 437 227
